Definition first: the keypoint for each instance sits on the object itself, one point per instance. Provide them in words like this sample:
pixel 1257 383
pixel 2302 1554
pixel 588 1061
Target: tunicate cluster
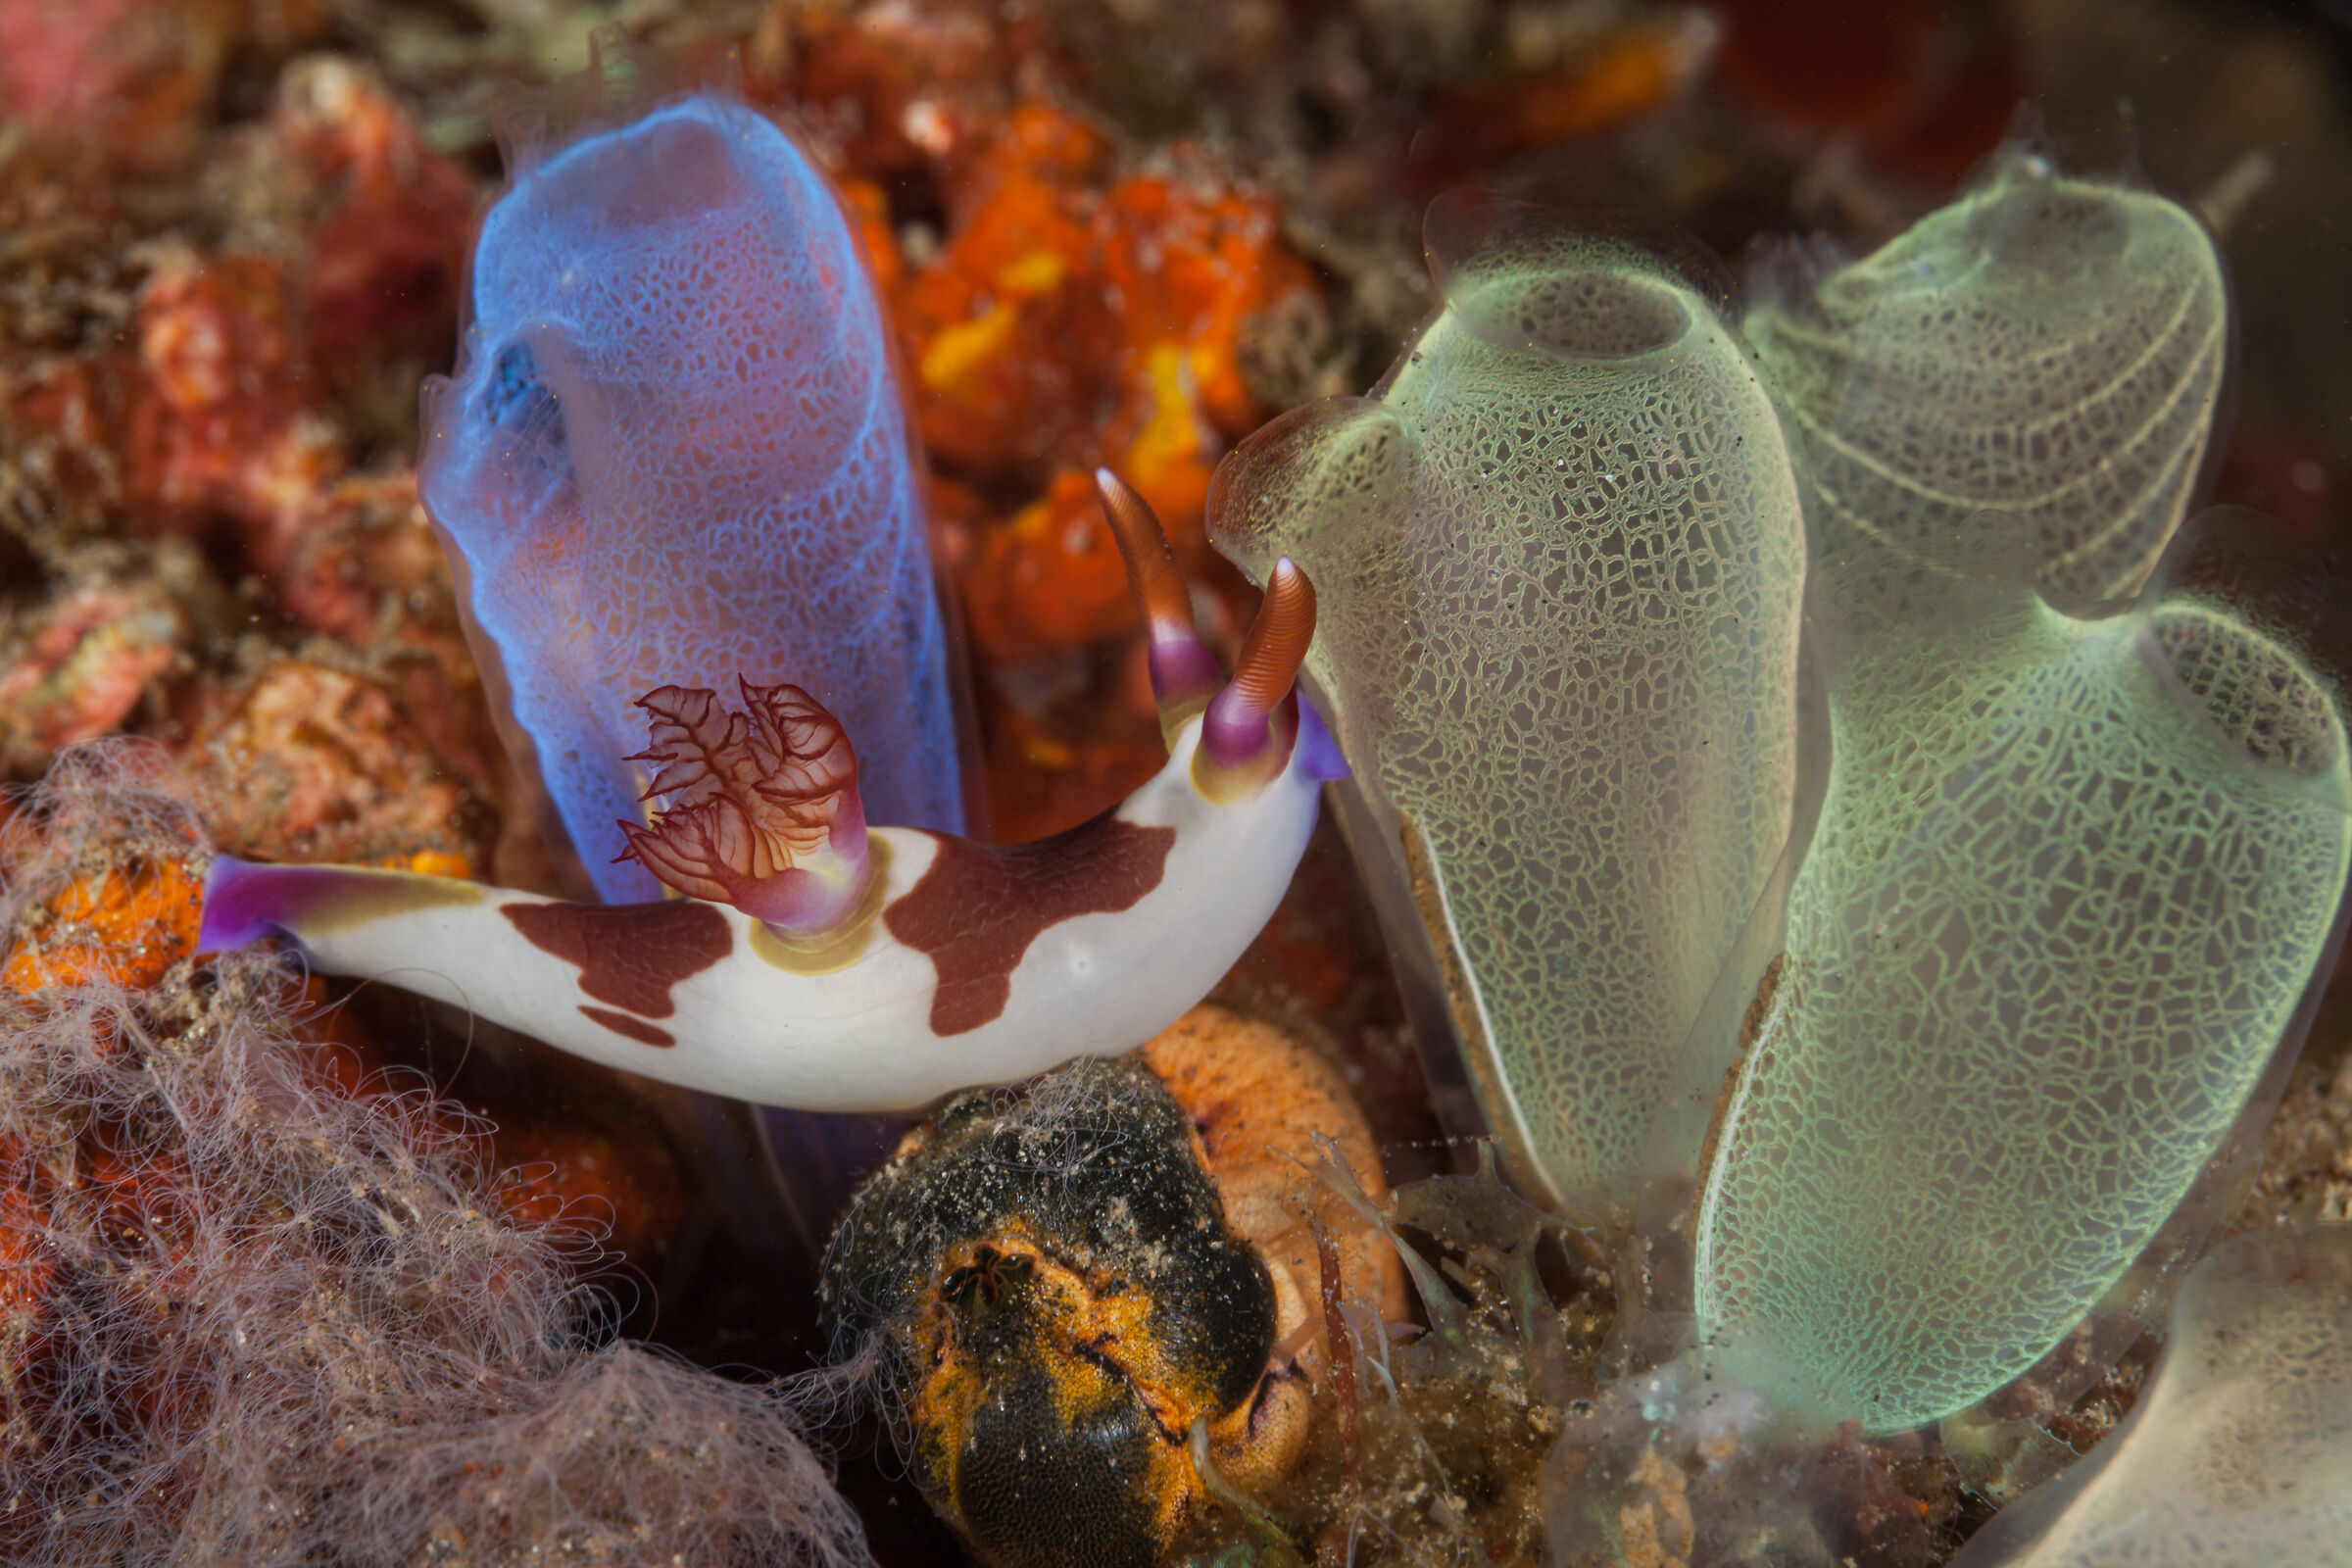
pixel 1559 557
pixel 2072 874
pixel 2239 1452
pixel 2070 881
pixel 2080 844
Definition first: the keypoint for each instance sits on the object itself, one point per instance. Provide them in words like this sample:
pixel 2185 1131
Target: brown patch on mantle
pixel 629 955
pixel 979 907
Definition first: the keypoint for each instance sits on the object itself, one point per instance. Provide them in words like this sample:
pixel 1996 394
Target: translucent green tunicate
pixel 2071 876
pixel 2069 882
pixel 2239 1452
pixel 2046 347
pixel 1559 560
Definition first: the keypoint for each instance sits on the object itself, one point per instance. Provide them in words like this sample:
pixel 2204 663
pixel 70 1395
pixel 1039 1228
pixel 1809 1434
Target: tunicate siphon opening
pixel 1528 278
pixel 1593 314
pixel 2056 229
pixel 2257 695
pixel 2046 347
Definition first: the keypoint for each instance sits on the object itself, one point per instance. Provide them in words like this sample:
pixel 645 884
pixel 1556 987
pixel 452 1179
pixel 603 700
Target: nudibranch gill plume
pixel 819 964
pixel 675 450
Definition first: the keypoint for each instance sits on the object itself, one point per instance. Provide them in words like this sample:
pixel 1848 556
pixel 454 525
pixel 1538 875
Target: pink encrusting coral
pixel 250 1316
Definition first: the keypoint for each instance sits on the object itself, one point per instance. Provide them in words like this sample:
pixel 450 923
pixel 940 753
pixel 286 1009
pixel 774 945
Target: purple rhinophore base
pixel 1182 668
pixel 1233 732
pixel 1235 735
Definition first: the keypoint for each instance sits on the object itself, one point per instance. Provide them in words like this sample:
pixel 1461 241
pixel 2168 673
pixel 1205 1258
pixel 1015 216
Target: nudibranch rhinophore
pixel 674 451
pixel 819 964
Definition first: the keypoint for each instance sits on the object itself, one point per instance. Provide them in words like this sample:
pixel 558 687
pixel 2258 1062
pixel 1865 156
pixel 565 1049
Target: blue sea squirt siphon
pixel 674 454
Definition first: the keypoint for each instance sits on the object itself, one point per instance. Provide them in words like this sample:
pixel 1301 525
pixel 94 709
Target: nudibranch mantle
pixel 959 966
pixel 981 964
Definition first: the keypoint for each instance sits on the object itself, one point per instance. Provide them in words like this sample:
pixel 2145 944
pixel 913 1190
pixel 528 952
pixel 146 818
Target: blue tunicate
pixel 674 451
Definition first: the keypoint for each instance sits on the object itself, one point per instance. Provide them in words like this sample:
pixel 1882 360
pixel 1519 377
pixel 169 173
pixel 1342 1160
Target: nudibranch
pixel 1561 558
pixel 675 452
pixel 816 963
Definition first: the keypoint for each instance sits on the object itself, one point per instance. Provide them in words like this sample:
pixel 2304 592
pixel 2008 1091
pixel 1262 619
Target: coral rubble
pixel 251 1314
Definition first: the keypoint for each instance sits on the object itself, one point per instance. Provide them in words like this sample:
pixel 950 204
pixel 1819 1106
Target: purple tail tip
pixel 238 911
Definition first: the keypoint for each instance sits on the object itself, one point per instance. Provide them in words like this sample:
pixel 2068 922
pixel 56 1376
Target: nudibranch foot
pixel 819 964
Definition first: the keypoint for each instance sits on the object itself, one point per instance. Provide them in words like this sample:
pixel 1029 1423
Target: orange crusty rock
pixel 1257 1097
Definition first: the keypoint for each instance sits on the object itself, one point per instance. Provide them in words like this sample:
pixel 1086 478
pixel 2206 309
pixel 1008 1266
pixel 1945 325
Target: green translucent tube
pixel 2071 876
pixel 2045 347
pixel 2239 1452
pixel 2069 882
pixel 1559 560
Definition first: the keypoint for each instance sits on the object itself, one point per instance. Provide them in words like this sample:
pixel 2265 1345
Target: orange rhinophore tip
pixel 1276 644
pixel 1237 729
pixel 1153 574
pixel 1184 673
